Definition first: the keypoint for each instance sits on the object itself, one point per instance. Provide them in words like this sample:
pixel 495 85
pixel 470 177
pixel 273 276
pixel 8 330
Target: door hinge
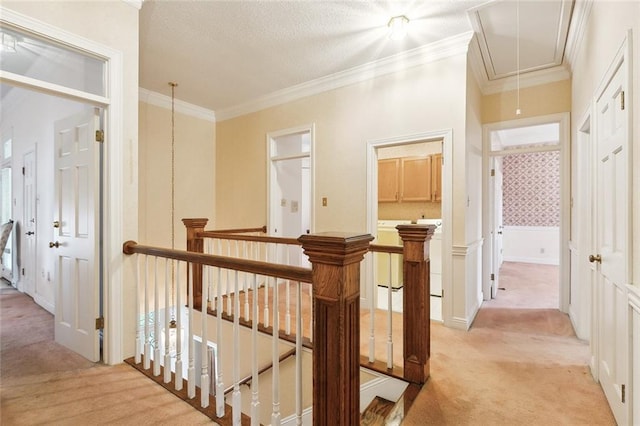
pixel 493 172
pixel 23 171
pixel 493 277
pixel 624 396
pixel 22 271
pixel 99 135
pixel 99 323
pixel 622 100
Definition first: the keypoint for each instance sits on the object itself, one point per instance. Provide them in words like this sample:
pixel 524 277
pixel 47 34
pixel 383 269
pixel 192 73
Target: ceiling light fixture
pixel 398 26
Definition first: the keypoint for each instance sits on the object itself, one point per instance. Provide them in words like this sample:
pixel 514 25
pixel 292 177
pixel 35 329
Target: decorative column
pixel 416 304
pixel 195 243
pixel 335 259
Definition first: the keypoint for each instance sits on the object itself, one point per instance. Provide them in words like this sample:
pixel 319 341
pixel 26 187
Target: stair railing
pixel 414 263
pixel 335 277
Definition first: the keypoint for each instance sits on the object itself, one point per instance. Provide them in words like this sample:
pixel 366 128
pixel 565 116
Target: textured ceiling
pixel 224 53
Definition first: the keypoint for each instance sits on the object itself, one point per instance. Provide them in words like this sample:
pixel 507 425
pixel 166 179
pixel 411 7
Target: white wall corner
pixel 164 101
pixel 477 64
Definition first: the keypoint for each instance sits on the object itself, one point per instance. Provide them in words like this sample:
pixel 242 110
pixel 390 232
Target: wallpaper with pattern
pixel 531 189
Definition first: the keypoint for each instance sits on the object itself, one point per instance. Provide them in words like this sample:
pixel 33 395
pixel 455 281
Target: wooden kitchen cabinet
pixel 389 180
pixel 410 179
pixel 416 179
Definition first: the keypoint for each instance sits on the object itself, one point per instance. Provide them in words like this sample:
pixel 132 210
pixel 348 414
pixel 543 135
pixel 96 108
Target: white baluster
pixel 139 340
pixel 210 251
pixel 237 396
pixel 372 314
pixel 147 334
pixel 287 316
pixel 219 344
pixel 275 359
pixel 167 315
pixel 299 354
pixel 179 328
pixel 191 371
pixel 229 310
pixel 245 284
pixel 204 373
pixel 156 319
pixel 266 293
pixel 390 317
pixel 255 400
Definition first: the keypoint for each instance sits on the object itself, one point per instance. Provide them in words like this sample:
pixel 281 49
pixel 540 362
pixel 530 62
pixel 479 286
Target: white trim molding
pixel 579 18
pixel 182 107
pixel 428 53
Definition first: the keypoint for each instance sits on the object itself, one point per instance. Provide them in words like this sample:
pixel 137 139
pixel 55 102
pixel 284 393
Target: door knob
pixel 595 258
pixel 52 245
pixel 30 233
pixel 56 224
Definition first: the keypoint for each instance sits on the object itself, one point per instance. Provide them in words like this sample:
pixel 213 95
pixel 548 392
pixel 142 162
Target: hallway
pixel 520 363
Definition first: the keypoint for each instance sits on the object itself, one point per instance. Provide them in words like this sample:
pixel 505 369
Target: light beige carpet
pixel 519 366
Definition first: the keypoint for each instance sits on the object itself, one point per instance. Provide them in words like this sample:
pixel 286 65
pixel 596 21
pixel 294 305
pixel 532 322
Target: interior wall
pixel 194 173
pixel 605 31
pixel 345 118
pixel 544 99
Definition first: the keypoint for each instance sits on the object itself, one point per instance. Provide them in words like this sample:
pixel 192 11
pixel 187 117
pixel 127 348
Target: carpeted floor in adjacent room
pixel 520 364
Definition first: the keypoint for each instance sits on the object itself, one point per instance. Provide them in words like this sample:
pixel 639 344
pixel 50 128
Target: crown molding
pixel 163 101
pixel 530 79
pixel 134 3
pixel 451 46
pixel 581 13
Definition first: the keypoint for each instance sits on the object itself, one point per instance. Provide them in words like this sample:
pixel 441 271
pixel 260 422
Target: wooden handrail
pixel 262 229
pixel 254 238
pixel 286 272
pixel 379 248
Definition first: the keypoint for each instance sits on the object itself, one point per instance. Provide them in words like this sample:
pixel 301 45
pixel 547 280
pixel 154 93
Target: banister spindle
pixel 147 319
pixel 275 358
pixel 219 348
pixel 156 319
pixel 139 326
pixel 204 355
pixel 372 313
pixel 179 328
pixel 191 371
pixel 255 400
pixel 390 315
pixel 236 396
pixel 335 259
pixel 167 315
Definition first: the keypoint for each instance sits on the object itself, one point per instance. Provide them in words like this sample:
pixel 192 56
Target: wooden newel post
pixel 335 259
pixel 195 243
pixel 417 302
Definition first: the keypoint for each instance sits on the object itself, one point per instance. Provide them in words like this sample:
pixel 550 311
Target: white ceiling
pixel 227 53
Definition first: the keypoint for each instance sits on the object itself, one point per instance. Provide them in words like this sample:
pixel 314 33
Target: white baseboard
pixel 539 261
pixel 45 304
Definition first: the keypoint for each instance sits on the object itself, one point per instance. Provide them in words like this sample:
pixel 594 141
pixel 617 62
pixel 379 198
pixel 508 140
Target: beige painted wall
pixel 420 99
pixel 96 21
pixel 194 173
pixel 605 32
pixel 550 98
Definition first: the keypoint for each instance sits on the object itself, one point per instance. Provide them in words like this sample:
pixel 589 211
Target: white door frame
pixel 446 135
pixel 271 136
pixel 29 250
pixel 563 119
pixel 112 193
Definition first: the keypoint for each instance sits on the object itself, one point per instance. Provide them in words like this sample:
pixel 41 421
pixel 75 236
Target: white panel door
pixel 495 221
pixel 29 224
pixel 612 241
pixel 76 234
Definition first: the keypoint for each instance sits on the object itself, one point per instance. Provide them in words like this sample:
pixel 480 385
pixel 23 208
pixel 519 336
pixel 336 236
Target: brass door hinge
pixel 493 172
pixel 622 100
pixel 99 323
pixel 493 277
pixel 624 396
pixel 99 135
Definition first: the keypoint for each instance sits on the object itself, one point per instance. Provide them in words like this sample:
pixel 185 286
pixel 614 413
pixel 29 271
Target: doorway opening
pixel 525 221
pixel 290 186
